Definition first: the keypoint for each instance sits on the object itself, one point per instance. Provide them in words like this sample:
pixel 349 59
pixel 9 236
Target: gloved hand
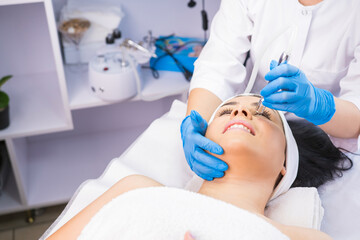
pixel 289 90
pixel 206 166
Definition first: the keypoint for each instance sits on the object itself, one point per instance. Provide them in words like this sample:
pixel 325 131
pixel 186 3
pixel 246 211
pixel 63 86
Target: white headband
pixel 292 153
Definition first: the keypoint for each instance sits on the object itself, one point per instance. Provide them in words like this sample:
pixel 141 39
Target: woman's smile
pixel 237 124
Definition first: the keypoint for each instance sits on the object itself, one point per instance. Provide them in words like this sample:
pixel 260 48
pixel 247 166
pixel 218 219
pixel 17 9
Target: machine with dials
pixel 114 73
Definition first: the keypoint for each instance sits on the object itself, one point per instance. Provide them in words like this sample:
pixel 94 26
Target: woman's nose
pixel 241 112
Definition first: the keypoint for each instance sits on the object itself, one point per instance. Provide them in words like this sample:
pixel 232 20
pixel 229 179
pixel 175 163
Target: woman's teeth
pixel 239 126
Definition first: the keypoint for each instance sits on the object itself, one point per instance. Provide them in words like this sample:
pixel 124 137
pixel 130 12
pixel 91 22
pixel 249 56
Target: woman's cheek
pixel 279 135
pixel 278 146
pixel 272 130
pixel 211 133
pixel 214 130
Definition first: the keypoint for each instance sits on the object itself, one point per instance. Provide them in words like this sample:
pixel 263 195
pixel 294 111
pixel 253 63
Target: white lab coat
pixel 326 49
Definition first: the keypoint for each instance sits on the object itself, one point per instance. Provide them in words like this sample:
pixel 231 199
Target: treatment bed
pixel 157 153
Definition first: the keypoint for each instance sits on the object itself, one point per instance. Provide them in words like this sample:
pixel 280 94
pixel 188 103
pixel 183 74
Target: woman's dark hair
pixel 319 160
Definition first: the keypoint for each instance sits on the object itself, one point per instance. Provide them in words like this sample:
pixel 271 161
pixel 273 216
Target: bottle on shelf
pixel 117 36
pixel 109 47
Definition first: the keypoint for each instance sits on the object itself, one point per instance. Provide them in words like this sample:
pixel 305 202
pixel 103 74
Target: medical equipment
pixel 110 45
pixel 140 53
pixel 117 36
pixel 260 107
pixel 176 54
pixel 191 4
pixel 283 58
pixel 114 74
pixel 254 72
pixel 204 16
pixel 140 48
pixel 111 77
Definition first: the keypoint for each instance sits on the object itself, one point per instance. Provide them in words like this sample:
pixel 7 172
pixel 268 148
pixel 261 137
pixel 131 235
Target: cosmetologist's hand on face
pixel 206 166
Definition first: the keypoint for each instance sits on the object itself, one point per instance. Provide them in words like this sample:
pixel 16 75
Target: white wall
pixel 163 17
pixel 25 45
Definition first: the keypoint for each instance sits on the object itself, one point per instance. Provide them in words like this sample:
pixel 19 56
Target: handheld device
pixel 284 57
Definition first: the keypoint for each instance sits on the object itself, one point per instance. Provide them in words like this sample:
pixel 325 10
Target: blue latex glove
pixel 289 90
pixel 206 166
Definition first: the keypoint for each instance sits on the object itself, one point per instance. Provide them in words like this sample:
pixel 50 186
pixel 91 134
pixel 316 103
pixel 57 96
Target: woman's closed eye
pixel 265 114
pixel 229 111
pixel 225 111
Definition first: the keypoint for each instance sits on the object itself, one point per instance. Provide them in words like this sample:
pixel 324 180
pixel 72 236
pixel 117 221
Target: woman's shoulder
pixel 140 179
pixel 136 181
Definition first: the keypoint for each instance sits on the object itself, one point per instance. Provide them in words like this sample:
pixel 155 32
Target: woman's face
pixel 240 131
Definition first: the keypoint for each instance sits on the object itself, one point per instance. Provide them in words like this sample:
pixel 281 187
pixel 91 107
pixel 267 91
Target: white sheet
pixel 341 201
pixel 164 213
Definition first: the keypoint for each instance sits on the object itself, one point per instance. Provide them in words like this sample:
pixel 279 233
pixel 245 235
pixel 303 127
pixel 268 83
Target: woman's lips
pixel 240 124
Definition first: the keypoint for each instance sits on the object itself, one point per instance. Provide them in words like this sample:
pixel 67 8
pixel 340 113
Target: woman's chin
pixel 236 145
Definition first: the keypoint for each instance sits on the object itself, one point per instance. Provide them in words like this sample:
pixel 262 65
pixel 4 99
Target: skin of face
pixel 259 154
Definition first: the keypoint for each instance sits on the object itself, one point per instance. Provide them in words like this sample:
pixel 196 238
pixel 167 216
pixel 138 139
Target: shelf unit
pixel 9 199
pixel 60 134
pixel 30 114
pixel 80 95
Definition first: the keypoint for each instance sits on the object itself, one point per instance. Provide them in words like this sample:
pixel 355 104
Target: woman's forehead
pixel 246 100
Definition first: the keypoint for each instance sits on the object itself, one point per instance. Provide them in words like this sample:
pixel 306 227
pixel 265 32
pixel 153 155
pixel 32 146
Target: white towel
pixel 300 206
pixel 167 213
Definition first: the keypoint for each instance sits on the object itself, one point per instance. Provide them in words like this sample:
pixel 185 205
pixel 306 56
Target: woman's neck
pixel 309 2
pixel 245 194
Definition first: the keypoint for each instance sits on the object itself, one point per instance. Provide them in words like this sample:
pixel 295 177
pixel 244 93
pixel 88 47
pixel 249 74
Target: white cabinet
pixel 29 50
pixel 60 134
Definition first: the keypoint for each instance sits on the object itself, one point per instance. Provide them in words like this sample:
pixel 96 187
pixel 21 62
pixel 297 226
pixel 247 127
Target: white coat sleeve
pixel 219 67
pixel 350 84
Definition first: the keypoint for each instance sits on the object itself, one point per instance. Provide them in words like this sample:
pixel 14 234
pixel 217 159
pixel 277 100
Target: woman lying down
pixel 263 161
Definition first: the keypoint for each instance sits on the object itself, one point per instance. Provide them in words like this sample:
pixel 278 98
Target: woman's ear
pixel 283 171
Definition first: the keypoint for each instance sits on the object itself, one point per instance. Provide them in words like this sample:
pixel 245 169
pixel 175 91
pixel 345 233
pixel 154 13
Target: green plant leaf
pixel 5 79
pixel 4 100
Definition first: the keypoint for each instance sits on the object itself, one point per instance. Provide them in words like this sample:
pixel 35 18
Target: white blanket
pixel 167 213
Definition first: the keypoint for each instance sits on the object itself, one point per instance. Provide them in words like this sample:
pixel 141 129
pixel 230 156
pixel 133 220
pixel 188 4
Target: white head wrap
pixel 292 153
